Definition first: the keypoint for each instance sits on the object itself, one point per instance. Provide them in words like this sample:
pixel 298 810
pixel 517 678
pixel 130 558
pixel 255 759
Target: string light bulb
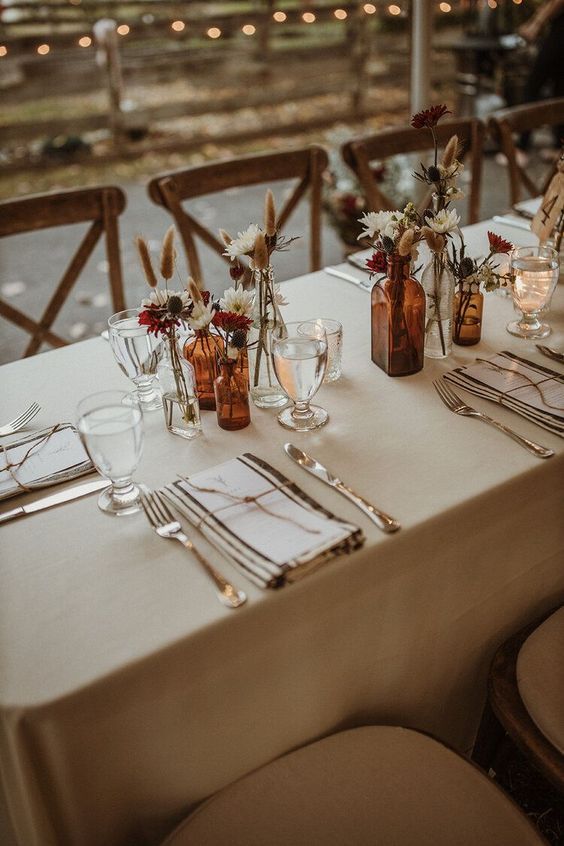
pixel 445 7
pixel 492 4
pixel 279 17
pixel 178 26
pixel 85 41
pixel 43 49
pixel 214 32
pixel 369 8
pixel 123 29
pixel 3 50
pixel 340 14
pixel 308 17
pixel 249 29
pixel 394 10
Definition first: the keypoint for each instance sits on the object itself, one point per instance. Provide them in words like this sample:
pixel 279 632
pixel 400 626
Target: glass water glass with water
pixel 137 353
pixel 299 356
pixel 334 332
pixel 110 424
pixel 534 272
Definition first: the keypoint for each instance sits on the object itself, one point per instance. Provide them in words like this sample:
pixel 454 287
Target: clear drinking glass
pixel 534 273
pixel 334 332
pixel 299 356
pixel 137 353
pixel 110 424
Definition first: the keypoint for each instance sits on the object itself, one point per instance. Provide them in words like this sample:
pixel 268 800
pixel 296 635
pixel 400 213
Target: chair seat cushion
pixel 540 678
pixel 373 786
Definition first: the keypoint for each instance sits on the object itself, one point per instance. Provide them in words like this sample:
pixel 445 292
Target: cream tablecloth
pixel 128 693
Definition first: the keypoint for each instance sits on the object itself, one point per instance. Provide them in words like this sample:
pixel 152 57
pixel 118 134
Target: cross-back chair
pixel 171 190
pixel 359 153
pixel 99 206
pixel 506 123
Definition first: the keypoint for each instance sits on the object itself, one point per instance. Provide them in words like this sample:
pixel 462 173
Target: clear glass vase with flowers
pixel 164 312
pixel 258 245
pixel 397 300
pixel 440 223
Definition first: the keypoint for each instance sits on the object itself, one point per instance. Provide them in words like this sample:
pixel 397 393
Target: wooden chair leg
pixel 488 740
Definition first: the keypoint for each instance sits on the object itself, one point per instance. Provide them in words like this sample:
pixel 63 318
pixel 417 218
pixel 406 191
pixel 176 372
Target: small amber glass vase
pixel 398 320
pixel 202 350
pixel 232 396
pixel 467 317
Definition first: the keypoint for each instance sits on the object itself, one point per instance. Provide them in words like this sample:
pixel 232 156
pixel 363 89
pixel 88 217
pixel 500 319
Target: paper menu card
pixel 261 520
pixel 530 389
pixel 49 458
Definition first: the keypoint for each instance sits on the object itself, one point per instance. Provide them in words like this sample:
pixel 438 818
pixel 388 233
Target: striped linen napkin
pixel 262 521
pixel 529 389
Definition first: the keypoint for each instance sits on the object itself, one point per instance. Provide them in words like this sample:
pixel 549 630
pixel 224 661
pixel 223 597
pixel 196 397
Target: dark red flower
pixel 228 321
pixel 206 296
pixel 157 320
pixel 236 270
pixel 378 262
pixel 429 117
pixel 498 244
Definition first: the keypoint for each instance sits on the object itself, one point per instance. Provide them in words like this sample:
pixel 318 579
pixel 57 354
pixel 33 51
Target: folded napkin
pixel 42 459
pixel 529 389
pixel 261 520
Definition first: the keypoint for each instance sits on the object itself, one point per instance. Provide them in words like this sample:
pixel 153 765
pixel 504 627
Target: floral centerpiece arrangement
pixel 398 300
pixel 203 346
pixel 163 312
pixel 470 275
pixel 258 245
pixel 232 321
pixel 441 223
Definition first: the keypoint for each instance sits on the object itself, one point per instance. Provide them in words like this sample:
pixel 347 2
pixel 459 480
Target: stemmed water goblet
pixel 534 272
pixel 110 424
pixel 137 353
pixel 299 355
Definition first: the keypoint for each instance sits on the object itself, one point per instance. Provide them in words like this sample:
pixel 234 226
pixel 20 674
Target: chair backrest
pixel 170 190
pixel 359 153
pixel 99 206
pixel 505 122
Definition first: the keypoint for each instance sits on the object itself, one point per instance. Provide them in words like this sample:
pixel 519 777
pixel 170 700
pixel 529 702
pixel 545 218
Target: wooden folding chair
pixel 101 206
pixel 170 190
pixel 359 153
pixel 505 123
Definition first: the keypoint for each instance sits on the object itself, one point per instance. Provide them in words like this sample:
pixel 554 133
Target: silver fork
pixel 166 526
pixel 22 420
pixel 455 404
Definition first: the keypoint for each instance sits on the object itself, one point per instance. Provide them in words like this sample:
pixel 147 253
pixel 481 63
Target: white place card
pixel 261 520
pixel 47 459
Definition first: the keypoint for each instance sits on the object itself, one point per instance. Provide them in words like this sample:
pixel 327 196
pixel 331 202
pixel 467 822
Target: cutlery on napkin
pixel 261 520
pixel 41 459
pixel 531 390
pixel 76 492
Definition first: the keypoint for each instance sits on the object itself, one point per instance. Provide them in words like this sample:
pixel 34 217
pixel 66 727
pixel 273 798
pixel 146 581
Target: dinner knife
pixel 383 521
pixel 55 499
pixel 550 353
pixel 348 277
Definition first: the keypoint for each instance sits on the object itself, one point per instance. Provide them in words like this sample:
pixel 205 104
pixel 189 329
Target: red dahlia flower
pixel 498 244
pixel 228 321
pixel 157 320
pixel 378 262
pixel 429 117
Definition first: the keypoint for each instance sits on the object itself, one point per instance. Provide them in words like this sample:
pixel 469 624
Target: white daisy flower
pixel 244 243
pixel 379 223
pixel 160 298
pixel 238 301
pixel 445 221
pixel 201 316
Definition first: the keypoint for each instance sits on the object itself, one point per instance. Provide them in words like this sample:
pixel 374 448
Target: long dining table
pixel 128 693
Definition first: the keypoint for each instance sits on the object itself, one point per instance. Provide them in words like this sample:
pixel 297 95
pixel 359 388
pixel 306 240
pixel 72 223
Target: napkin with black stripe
pixel 262 521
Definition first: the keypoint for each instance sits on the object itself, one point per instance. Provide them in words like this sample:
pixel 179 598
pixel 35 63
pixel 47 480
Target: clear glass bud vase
pixel 438 283
pixel 265 390
pixel 178 385
pixel 467 315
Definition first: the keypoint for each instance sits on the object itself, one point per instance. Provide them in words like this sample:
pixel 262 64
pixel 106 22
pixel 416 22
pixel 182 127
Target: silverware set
pixel 455 404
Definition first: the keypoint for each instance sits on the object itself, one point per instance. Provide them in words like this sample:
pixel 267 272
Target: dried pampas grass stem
pixel 168 254
pixel 146 262
pixel 269 214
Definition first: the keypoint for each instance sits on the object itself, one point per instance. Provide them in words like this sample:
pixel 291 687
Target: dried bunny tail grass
pixel 451 152
pixel 146 262
pixel 405 244
pixel 168 253
pixel 269 214
pixel 194 291
pixel 225 237
pixel 260 256
pixel 435 241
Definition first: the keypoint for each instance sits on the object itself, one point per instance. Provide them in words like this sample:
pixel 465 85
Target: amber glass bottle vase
pixel 398 320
